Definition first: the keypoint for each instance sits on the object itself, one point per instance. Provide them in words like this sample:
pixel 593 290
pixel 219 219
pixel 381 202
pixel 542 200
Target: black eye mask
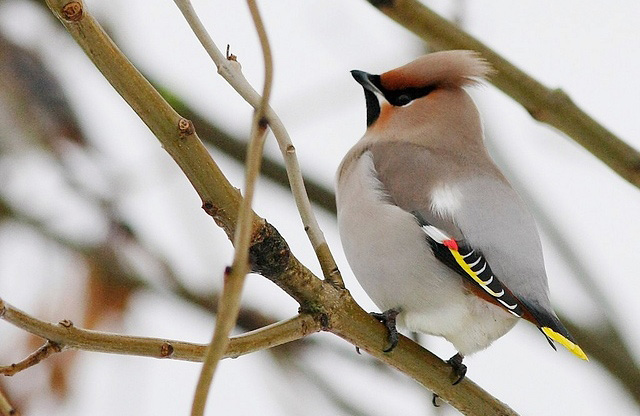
pixel 403 97
pixel 397 98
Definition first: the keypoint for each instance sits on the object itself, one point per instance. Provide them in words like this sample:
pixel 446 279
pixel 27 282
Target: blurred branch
pixel 295 368
pixel 551 106
pixel 65 335
pixel 105 257
pixel 605 344
pixel 6 409
pixel 234 147
pixel 37 98
pixel 231 72
pixel 229 304
pixel 249 319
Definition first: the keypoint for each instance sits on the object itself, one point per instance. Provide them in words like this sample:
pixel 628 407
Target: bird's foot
pixel 388 318
pixel 459 369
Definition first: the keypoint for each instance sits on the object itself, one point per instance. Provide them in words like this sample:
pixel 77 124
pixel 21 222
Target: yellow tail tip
pixel 574 348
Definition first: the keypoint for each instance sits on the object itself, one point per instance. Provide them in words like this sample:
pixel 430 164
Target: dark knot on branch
pixel 269 253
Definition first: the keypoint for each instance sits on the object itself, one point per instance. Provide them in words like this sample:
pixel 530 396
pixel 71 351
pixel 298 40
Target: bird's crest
pixel 440 69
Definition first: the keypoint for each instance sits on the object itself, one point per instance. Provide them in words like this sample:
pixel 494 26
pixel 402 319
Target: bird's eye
pixel 403 100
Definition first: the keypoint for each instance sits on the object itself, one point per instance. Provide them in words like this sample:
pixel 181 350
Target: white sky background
pixel 590 49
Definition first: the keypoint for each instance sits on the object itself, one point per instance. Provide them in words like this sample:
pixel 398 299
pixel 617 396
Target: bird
pixel 430 226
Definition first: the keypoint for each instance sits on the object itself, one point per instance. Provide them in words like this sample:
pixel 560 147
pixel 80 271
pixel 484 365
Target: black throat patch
pixel 373 107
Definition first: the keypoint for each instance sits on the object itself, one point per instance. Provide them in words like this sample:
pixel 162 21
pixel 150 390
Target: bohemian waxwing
pixel 431 228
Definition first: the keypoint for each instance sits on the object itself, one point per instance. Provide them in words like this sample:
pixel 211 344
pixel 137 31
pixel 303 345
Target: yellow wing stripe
pixel 474 276
pixel 574 348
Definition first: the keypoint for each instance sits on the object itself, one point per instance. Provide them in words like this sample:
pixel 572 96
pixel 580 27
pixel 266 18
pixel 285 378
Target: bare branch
pixel 232 74
pixel 235 147
pixel 65 335
pixel 49 348
pixel 352 324
pixel 227 315
pixel 605 344
pixel 551 106
pixel 234 277
pixel 6 409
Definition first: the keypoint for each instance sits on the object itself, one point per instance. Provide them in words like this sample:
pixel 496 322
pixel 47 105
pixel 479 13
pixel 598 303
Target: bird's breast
pixel 385 246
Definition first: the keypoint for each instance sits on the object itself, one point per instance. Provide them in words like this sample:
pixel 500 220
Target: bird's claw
pixel 388 318
pixel 459 369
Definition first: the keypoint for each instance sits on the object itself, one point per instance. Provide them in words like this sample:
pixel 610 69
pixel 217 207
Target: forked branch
pixel 49 348
pixel 65 335
pixel 234 76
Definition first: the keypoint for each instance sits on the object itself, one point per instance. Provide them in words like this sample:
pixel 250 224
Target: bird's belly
pixel 391 259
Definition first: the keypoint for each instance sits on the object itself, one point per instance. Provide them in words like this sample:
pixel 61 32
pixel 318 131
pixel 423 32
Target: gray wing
pixel 485 212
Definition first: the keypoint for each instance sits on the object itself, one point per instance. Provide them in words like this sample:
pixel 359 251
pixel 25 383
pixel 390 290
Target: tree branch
pixel 232 74
pixel 65 335
pixel 233 146
pixel 49 348
pixel 550 106
pixel 605 344
pixel 6 409
pixel 353 324
pixel 229 305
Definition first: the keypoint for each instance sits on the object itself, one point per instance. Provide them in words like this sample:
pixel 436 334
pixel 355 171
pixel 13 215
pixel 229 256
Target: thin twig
pixel 6 409
pixel 234 277
pixel 49 348
pixel 232 74
pixel 66 336
pixel 235 147
pixel 225 321
pixel 551 106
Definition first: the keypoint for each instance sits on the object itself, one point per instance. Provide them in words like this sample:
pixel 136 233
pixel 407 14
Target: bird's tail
pixel 553 330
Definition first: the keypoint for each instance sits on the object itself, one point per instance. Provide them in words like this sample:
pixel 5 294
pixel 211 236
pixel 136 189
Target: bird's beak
pixel 367 81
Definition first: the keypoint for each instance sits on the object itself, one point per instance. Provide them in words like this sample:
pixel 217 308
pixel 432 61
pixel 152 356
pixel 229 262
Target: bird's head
pixel 418 80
